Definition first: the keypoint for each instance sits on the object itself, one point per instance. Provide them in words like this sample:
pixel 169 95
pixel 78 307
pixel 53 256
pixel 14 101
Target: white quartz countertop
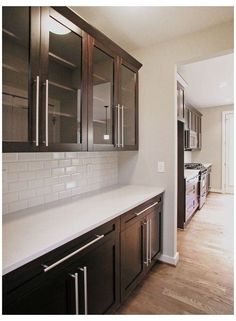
pixel 190 173
pixel 30 233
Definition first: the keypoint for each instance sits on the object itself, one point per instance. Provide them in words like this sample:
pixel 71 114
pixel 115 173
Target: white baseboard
pixel 172 260
pixel 215 190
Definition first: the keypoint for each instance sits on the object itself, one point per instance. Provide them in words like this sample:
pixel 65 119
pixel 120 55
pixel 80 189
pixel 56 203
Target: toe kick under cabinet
pixel 93 273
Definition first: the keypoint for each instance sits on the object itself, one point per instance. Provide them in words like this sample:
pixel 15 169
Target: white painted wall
pixel 158 119
pixel 211 151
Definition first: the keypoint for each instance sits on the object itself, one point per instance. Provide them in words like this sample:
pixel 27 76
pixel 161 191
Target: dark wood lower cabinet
pixel 107 263
pixel 140 243
pixel 86 283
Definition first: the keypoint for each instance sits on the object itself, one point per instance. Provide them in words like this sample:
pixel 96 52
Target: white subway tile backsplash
pixel 17 167
pixel 10 197
pixel 65 194
pixel 16 206
pixel 26 156
pixel 36 183
pixel 58 188
pixel 50 164
pixel 26 176
pixel 43 190
pixel 17 186
pixel 71 185
pixel 35 201
pixel 66 162
pixel 70 170
pixel 24 195
pixel 71 155
pixel 31 179
pixel 43 156
pixel 58 155
pixel 58 171
pixel 10 157
pixel 35 165
pixel 51 197
pixel 43 173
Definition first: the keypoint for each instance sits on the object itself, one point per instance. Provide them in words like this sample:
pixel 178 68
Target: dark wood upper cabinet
pixel 20 78
pixel 66 86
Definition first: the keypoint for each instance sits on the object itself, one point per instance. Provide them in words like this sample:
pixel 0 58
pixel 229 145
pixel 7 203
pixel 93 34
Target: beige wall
pixel 211 151
pixel 158 119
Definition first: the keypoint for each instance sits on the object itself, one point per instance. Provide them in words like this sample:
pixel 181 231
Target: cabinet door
pixel 133 255
pixel 50 293
pixel 20 78
pixel 63 66
pixel 99 278
pixel 154 220
pixel 128 111
pixel 102 98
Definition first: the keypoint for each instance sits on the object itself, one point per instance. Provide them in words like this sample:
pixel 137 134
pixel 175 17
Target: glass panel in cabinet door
pixel 103 93
pixel 127 93
pixel 65 79
pixel 15 73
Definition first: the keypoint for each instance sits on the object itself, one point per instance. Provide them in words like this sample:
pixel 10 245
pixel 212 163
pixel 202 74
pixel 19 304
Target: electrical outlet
pixel 161 167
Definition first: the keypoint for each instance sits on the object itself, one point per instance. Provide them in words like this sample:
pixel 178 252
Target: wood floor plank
pixel 202 282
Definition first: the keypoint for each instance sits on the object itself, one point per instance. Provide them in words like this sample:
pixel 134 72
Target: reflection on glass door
pixel 15 73
pixel 103 93
pixel 64 77
pixel 127 96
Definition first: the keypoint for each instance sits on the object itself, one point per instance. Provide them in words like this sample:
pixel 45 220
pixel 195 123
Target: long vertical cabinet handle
pixel 46 120
pixel 75 276
pixel 150 240
pixel 146 259
pixel 37 112
pixel 122 124
pixel 118 125
pixel 147 243
pixel 84 269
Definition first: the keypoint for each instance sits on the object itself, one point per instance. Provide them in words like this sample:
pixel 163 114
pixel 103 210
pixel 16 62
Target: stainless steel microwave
pixel 190 139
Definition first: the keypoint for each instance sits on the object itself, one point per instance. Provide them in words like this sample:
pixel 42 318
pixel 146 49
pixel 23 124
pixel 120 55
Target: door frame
pixel 223 157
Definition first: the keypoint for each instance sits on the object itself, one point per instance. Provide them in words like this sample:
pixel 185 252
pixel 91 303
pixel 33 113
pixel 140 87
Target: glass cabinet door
pixel 102 98
pixel 128 101
pixel 16 101
pixel 64 85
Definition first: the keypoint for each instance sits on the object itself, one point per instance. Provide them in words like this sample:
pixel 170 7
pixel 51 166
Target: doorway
pixel 228 152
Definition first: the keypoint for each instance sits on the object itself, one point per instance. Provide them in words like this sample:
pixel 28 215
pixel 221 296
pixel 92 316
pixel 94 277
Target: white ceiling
pixel 136 27
pixel 210 82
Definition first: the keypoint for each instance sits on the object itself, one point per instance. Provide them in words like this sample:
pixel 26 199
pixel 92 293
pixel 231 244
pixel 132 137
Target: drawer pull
pixel 47 268
pixel 75 276
pixel 147 208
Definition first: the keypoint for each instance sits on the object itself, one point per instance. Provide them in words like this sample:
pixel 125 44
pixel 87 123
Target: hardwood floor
pixel 202 282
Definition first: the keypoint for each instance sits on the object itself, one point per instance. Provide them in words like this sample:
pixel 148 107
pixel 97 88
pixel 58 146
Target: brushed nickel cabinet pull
pixel 84 269
pixel 47 268
pixel 46 120
pixel 37 111
pixel 75 276
pixel 122 124
pixel 147 208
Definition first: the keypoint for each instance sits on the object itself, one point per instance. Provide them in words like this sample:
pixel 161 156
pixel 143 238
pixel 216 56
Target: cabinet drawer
pixel 35 268
pixel 140 211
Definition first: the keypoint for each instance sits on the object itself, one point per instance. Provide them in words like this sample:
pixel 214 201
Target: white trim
pixel 173 260
pixel 224 113
pixel 181 80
